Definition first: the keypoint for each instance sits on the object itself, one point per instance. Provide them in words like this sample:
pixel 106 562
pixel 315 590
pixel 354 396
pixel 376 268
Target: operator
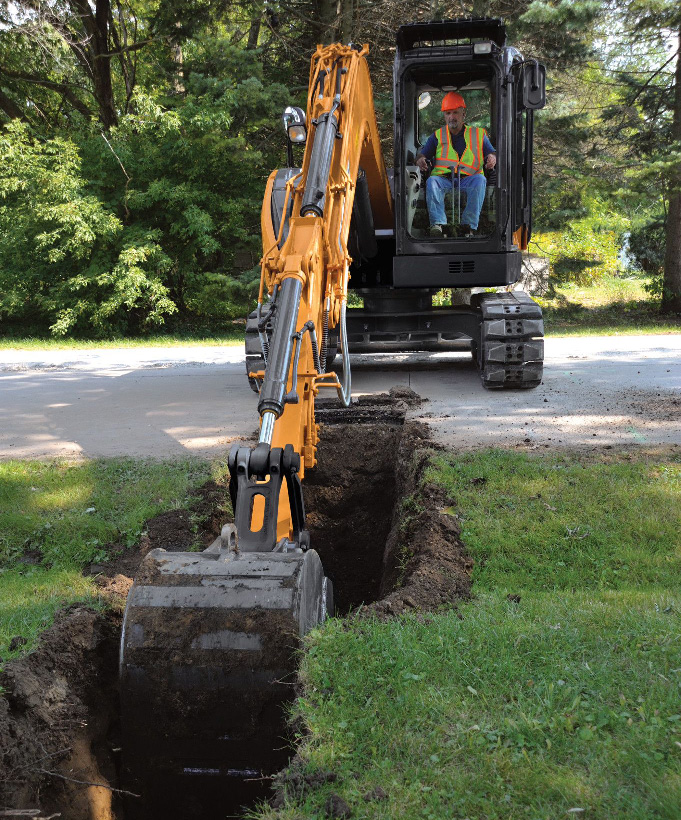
pixel 456 147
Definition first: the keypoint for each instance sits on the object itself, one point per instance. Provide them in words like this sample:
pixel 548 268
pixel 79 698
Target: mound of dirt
pixel 173 530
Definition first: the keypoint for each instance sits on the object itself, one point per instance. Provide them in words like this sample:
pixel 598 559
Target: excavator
pixel 210 640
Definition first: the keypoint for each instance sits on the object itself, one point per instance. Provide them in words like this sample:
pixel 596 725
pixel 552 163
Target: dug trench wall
pixel 385 541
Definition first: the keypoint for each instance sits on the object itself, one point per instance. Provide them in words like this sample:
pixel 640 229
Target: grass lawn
pixel 230 338
pixel 611 306
pixel 555 692
pixel 56 517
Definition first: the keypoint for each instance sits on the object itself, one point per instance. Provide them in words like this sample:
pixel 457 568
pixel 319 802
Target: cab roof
pixel 435 32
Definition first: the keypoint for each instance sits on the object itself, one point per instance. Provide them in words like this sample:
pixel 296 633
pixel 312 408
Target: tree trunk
pixel 254 31
pixel 327 14
pixel 10 107
pixel 347 13
pixel 86 32
pixel 102 66
pixel 671 294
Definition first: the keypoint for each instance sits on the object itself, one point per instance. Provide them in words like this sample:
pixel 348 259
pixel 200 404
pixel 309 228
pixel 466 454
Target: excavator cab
pixel 471 58
pixel 430 93
pixel 397 284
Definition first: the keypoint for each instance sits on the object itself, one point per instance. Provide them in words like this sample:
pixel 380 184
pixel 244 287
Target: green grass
pixel 564 703
pixel 62 515
pixel 229 339
pixel 562 523
pixel 612 305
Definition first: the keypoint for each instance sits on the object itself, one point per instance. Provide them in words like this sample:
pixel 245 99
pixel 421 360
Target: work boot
pixel 436 230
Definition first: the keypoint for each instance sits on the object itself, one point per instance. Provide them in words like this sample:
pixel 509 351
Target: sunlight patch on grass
pixel 561 522
pixel 611 306
pixel 66 511
pixel 56 517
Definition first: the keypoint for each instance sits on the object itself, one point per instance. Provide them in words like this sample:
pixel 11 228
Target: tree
pixel 65 258
pixel 646 62
pixel 73 46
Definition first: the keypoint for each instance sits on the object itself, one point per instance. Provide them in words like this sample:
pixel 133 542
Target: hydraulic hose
pixel 345 390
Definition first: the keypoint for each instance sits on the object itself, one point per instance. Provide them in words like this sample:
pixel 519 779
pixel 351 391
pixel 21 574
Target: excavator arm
pixel 209 643
pixel 306 276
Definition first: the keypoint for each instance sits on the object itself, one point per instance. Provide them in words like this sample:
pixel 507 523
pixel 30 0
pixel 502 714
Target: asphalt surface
pixel 169 402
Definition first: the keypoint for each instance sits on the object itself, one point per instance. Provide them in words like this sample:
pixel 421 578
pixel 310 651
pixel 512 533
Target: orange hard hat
pixel 453 100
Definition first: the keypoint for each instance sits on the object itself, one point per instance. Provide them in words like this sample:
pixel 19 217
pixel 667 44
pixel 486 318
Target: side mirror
pixel 294 124
pixel 534 85
pixel 424 99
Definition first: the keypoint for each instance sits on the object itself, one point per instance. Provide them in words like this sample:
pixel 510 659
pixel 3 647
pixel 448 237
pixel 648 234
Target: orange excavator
pixel 208 651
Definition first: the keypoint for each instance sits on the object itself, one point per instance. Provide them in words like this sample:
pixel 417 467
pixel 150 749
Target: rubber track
pixel 511 351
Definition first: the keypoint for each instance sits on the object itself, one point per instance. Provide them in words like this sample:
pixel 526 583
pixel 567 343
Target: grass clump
pixel 57 517
pixel 554 693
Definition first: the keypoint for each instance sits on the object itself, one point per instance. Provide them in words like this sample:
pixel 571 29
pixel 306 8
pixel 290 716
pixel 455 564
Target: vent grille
pixel 458 267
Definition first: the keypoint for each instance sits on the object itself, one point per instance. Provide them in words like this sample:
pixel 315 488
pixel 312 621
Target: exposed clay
pixel 383 537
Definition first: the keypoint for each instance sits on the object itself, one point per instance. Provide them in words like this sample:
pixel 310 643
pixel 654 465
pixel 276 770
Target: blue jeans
pixel 473 187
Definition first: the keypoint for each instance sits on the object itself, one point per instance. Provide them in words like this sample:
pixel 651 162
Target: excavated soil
pixel 384 539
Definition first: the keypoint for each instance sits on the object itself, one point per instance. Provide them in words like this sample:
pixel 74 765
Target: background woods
pixel 135 139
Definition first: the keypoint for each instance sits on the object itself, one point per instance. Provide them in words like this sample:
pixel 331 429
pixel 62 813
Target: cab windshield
pixel 452 205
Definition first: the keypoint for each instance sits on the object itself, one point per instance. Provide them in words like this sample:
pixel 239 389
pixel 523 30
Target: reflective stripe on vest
pixel 446 158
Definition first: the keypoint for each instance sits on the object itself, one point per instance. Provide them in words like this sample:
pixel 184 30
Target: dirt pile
pixel 173 530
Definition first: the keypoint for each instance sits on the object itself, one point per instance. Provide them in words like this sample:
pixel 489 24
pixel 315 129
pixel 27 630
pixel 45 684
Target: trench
pixel 365 466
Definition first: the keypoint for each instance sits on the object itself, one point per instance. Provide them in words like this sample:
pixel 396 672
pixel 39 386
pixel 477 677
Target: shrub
pixel 581 253
pixel 65 259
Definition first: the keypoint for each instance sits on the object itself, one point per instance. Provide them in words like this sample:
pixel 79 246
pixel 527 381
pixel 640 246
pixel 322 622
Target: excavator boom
pixel 210 640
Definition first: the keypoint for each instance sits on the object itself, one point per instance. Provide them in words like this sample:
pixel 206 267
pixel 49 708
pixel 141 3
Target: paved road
pixel 597 391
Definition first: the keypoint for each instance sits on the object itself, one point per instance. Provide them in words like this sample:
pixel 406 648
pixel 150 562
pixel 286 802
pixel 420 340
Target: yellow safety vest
pixel 470 162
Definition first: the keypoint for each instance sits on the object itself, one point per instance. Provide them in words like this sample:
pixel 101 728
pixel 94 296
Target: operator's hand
pixel 490 161
pixel 422 163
